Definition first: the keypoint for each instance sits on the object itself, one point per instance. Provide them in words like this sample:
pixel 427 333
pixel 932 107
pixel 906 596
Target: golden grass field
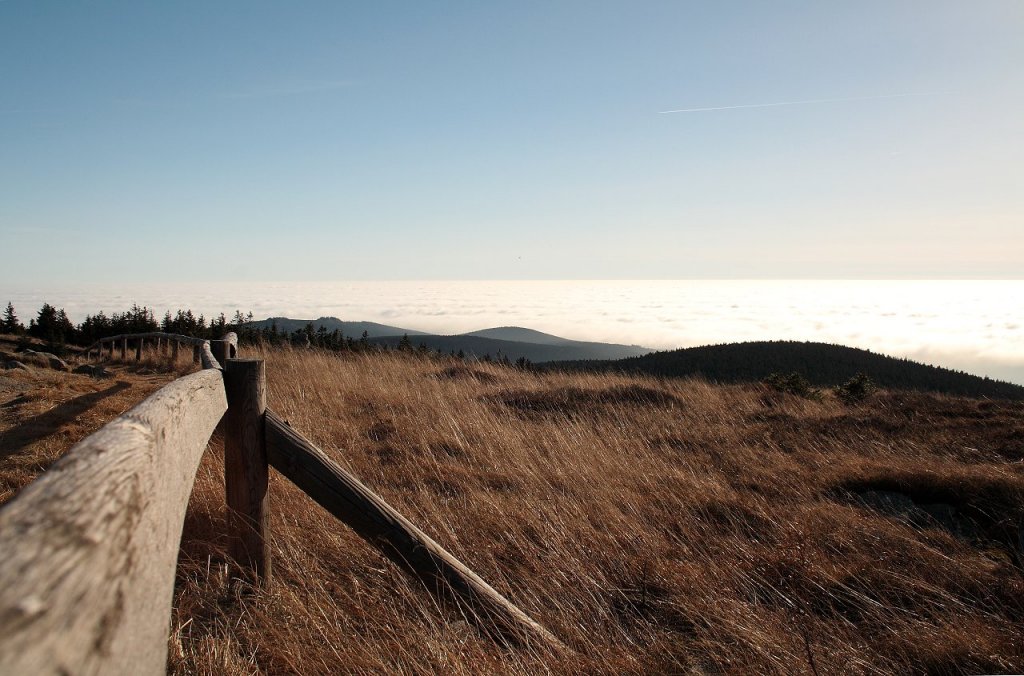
pixel 653 526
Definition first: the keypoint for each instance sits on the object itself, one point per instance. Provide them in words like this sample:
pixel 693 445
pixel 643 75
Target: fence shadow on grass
pixel 40 426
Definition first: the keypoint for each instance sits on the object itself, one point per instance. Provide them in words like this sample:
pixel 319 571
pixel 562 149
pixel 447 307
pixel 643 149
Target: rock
pixel 46 360
pixel 12 364
pixel 94 370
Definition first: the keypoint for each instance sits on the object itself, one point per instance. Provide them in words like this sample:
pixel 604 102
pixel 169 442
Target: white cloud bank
pixel 969 325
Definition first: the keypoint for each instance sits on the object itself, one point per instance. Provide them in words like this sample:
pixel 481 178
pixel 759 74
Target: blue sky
pixel 391 140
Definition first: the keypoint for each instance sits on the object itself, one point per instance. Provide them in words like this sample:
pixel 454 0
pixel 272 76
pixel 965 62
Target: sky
pixel 518 140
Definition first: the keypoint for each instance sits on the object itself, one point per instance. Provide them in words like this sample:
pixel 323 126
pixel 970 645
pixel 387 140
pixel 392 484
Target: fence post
pixel 245 465
pixel 124 349
pixel 138 350
pixel 174 352
pixel 221 351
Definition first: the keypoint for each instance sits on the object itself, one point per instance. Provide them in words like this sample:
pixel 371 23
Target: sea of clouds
pixel 975 326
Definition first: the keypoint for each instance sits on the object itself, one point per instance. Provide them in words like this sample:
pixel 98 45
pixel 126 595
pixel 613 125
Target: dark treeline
pixel 820 363
pixel 52 326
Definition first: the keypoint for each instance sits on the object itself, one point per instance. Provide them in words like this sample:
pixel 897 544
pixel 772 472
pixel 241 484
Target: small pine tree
pixel 10 323
pixel 794 383
pixel 856 389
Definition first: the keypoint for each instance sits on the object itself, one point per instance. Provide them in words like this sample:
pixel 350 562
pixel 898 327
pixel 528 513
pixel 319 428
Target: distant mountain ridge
pixel 478 346
pixel 512 342
pixel 822 364
pixel 354 329
pixel 519 334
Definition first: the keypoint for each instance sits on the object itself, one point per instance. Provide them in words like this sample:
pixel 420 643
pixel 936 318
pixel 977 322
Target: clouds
pixel 957 324
pixel 778 104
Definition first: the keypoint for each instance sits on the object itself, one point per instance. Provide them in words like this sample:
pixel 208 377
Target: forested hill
pixel 477 346
pixel 354 329
pixel 822 364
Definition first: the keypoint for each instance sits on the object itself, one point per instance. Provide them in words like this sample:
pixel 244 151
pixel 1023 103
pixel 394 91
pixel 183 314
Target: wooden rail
pixel 198 345
pixel 88 551
pixel 396 537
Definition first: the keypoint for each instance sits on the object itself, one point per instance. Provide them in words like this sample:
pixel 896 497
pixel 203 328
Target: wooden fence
pixel 88 551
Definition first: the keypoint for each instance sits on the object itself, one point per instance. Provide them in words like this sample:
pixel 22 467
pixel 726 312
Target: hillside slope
pixel 653 526
pixel 349 329
pixel 519 334
pixel 821 363
pixel 478 346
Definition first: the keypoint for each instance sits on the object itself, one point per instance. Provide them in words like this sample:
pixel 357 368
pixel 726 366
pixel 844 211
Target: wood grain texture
pixel 219 351
pixel 207 358
pixel 231 338
pixel 88 551
pixel 245 467
pixel 396 537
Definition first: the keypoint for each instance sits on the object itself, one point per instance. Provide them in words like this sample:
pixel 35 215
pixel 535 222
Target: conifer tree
pixel 52 325
pixel 10 323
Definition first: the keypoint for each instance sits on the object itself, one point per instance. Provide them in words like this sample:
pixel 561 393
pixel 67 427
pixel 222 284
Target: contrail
pixel 797 103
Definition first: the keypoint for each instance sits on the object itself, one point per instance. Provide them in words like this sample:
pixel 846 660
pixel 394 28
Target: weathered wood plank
pixel 88 551
pixel 208 356
pixel 396 537
pixel 231 338
pixel 245 466
pixel 222 350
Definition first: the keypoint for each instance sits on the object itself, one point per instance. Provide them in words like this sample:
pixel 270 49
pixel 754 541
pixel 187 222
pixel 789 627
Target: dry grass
pixel 653 526
pixel 44 412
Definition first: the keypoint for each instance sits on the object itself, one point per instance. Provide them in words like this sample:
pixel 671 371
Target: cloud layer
pixel 968 325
